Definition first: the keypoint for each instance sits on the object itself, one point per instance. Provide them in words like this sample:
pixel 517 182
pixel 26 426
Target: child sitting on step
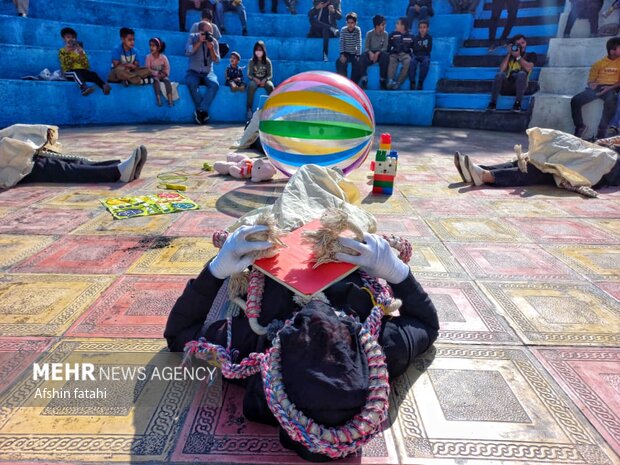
pixel 159 66
pixel 75 65
pixel 420 55
pixel 125 64
pixel 399 48
pixel 234 74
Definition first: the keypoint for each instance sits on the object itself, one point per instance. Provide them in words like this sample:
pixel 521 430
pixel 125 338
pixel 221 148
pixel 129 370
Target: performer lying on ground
pixel 323 365
pixel 32 153
pixel 554 158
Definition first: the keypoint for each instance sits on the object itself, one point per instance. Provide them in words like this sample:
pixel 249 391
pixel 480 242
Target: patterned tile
pixel 520 208
pixel 85 254
pixel 15 248
pixel 464 404
pixel 591 208
pixel 434 261
pixel 214 434
pixel 135 422
pixel 105 225
pixel 182 255
pixel 422 190
pixel 611 225
pixel 413 229
pixel 457 207
pixel 82 197
pixel 595 262
pixel 613 289
pixel 43 221
pixel 503 261
pixel 16 354
pixel 474 230
pixel 546 313
pixel 45 305
pixel 22 196
pixel 134 306
pixel 198 223
pixel 386 205
pixel 561 230
pixel 466 315
pixel 591 377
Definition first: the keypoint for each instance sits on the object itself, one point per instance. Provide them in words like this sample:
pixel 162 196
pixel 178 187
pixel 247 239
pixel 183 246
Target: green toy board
pixel 146 205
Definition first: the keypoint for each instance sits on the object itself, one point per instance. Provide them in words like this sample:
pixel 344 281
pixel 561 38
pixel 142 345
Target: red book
pixel 292 267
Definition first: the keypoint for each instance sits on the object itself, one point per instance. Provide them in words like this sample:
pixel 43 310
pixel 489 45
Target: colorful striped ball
pixel 320 118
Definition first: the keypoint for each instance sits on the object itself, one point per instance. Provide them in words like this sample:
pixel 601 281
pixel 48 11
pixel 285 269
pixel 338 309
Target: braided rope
pixel 401 244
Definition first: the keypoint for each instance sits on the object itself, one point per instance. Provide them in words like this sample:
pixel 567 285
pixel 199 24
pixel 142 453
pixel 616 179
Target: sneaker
pixel 457 164
pixel 492 47
pixel 382 84
pixel 106 89
pixel 205 117
pixel 244 32
pixel 86 90
pixel 140 163
pixel 492 106
pixel 517 106
pixel 364 82
pixel 393 85
pixel 612 131
pixel 420 86
pixel 198 116
pixel 580 131
pixel 325 57
pixel 474 171
pixel 125 83
pixel 262 10
pixel 411 86
pixel 464 169
pixel 293 11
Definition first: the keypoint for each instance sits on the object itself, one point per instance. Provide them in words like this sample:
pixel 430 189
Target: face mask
pixel 258 53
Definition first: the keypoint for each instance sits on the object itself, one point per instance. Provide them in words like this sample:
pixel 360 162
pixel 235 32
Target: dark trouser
pixel 590 95
pixel 321 29
pixel 384 60
pixel 341 68
pixel 512 6
pixel 82 76
pixel 185 5
pixel 464 6
pixel 224 6
pixel 590 13
pixel 509 175
pixel 274 5
pixel 193 79
pixel 252 86
pixel 412 14
pixel 612 178
pixel 424 62
pixel 157 86
pixel 515 84
pixel 49 169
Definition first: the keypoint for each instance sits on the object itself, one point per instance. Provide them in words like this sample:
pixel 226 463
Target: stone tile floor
pixel 526 281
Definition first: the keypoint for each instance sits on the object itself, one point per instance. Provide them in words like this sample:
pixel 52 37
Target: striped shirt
pixel 351 41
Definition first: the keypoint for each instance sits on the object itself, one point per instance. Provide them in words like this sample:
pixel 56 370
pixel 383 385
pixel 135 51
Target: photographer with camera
pixel 514 73
pixel 603 83
pixel 75 65
pixel 323 17
pixel 203 50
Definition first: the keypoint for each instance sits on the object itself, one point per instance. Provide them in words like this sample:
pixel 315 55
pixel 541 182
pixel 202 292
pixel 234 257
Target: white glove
pixel 376 258
pixel 238 253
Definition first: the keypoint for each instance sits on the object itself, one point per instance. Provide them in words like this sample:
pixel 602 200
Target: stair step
pixel 476 101
pixel 549 30
pixel 520 21
pixel 527 12
pixel 460 86
pixel 472 51
pixel 469 73
pixel 490 121
pixel 484 43
pixel 532 4
pixel 492 61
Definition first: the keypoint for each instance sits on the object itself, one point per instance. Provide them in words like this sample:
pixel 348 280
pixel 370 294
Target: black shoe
pixel 517 106
pixel 262 10
pixel 222 30
pixel 411 86
pixel 492 106
pixel 125 83
pixel 382 84
pixel 363 82
pixel 205 117
pixel 420 85
pixel 580 131
pixel 492 47
pixel 198 117
pixel 244 32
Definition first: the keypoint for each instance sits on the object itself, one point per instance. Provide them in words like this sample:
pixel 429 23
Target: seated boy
pixel 125 63
pixel 75 65
pixel 375 51
pixel 350 48
pixel 421 55
pixel 234 74
pixel 399 48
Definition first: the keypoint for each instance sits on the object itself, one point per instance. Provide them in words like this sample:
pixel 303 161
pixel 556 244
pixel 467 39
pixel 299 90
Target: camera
pixel 515 48
pixel 75 43
pixel 207 35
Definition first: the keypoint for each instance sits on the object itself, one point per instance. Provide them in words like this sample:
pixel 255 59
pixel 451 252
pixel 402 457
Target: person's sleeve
pixel 116 55
pixel 338 9
pixel 85 61
pixel 189 46
pixel 532 58
pixel 191 309
pixel 416 302
pixel 269 76
pixel 384 46
pixel 136 54
pixel 216 49
pixel 64 62
pixel 341 41
pixel 194 28
pixel 251 70
pixel 166 66
pixel 228 72
pixel 148 61
pixel 358 45
pixel 216 31
pixel 430 44
pixel 367 42
pixel 594 70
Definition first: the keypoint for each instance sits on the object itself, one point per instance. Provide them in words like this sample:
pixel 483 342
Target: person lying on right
pixel 554 158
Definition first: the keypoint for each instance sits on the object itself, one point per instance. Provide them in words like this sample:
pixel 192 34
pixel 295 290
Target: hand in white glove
pixel 238 253
pixel 376 258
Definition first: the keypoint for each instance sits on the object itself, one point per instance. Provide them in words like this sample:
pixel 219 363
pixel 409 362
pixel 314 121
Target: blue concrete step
pixel 525 4
pixel 479 73
pixel 60 103
pixel 492 61
pixel 548 30
pixel 476 101
pixel 505 121
pixel 471 51
pixel 484 43
pixel 527 12
pixel 18 61
pixel 479 86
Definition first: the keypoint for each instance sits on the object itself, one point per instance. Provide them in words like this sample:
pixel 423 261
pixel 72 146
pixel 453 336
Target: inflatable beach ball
pixel 317 117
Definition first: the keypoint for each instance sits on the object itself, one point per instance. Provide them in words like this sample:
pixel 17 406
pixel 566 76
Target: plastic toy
pixel 317 117
pixel 242 167
pixel 384 167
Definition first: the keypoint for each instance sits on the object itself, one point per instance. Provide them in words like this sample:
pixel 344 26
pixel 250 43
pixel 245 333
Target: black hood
pixel 324 368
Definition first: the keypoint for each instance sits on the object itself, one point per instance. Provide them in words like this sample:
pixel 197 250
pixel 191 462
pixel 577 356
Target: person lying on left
pixel 30 153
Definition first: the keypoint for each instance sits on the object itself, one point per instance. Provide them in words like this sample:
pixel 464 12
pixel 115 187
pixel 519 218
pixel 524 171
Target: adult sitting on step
pixel 323 17
pixel 584 9
pixel 554 158
pixel 203 50
pixel 222 6
pixel 185 5
pixel 603 83
pixel 31 153
pixel 514 73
